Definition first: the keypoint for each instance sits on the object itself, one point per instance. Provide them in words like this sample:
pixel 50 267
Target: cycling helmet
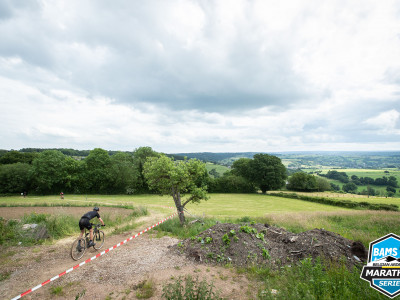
pixel 96 208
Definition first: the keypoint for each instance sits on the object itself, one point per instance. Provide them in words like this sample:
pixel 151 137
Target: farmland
pixel 294 215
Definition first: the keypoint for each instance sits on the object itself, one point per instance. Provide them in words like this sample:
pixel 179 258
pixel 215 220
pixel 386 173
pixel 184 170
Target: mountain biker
pixel 84 222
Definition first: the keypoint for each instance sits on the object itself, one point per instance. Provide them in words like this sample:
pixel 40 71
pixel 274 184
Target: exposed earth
pixel 119 273
pixel 248 244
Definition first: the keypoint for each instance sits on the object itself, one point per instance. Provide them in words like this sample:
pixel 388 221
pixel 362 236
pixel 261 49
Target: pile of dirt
pixel 247 244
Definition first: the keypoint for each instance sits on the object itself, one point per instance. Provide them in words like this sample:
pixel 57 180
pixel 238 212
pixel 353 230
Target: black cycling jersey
pixel 91 214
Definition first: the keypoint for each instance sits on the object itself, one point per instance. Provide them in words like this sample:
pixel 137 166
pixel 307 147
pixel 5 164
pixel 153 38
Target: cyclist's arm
pixel 102 223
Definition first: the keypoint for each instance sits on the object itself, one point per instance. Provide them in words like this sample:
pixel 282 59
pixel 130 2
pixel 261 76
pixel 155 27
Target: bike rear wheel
pixel 98 240
pixel 78 249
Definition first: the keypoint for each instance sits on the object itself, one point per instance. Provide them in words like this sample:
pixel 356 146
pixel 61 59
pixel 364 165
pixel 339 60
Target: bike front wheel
pixel 99 240
pixel 78 248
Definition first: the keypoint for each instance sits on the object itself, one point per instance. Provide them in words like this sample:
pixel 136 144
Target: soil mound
pixel 246 244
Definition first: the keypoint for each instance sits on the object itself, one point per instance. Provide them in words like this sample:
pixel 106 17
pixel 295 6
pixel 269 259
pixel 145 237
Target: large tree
pixel 140 156
pixel 301 181
pixel 176 178
pixel 123 173
pixel 53 171
pixel 266 171
pixel 14 178
pixel 97 171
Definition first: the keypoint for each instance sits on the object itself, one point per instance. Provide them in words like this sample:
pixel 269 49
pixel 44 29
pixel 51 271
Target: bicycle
pixel 79 246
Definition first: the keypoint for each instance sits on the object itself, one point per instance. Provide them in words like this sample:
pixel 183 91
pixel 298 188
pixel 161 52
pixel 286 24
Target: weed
pixel 260 236
pixel 56 290
pixel 265 253
pixel 226 240
pixel 248 229
pixel 208 240
pixel 145 289
pixel 4 276
pixel 80 295
pixel 189 288
pixel 232 232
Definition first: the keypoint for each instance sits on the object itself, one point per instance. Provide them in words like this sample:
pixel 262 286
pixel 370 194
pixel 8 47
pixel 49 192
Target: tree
pixel 97 171
pixel 13 157
pixel 14 178
pixel 267 172
pixel 302 182
pixel 230 183
pixel 350 188
pixel 175 178
pixel 52 171
pixel 391 189
pixel 322 184
pixel 140 156
pixel 242 167
pixel 123 173
pixel 213 172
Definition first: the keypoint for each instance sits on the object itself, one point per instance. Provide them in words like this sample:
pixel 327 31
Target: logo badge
pixel 383 267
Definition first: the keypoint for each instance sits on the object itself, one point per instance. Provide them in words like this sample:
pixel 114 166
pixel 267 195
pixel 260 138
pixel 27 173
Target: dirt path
pixel 114 275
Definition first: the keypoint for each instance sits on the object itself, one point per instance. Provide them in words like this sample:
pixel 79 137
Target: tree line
pixel 52 171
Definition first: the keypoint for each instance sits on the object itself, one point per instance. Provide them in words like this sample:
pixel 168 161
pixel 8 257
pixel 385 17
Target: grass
pixel 190 289
pixel 57 226
pixel 145 289
pixel 219 205
pixel 314 280
pixel 364 226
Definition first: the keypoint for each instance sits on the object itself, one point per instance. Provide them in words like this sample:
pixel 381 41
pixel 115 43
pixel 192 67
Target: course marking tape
pixel 91 259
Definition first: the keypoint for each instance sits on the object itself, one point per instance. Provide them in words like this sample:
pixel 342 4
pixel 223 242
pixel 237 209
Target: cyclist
pixel 84 222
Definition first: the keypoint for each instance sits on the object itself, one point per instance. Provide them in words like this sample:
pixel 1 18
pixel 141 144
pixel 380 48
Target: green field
pixel 293 214
pixel 222 206
pixel 372 173
pixel 220 169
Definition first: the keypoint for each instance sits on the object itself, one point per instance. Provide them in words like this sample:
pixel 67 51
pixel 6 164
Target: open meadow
pixel 293 214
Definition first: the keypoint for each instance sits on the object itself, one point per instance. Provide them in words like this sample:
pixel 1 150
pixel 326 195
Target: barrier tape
pixel 92 258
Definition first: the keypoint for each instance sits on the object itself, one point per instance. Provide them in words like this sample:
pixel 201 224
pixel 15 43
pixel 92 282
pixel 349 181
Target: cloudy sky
pixel 195 76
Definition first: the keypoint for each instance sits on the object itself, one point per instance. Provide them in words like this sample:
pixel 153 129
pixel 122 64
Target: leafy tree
pixel 264 171
pixel 340 176
pixel 123 173
pixel 230 183
pixel 322 184
pixel 302 182
pixel 391 189
pixel 175 178
pixel 267 172
pixel 52 171
pixel 13 157
pixel 392 181
pixel 367 180
pixel 213 172
pixel 14 178
pixel 242 167
pixel 140 156
pixel 350 188
pixel 97 171
pixel 335 187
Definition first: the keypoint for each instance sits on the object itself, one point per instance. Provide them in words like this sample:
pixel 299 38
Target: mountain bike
pixel 79 246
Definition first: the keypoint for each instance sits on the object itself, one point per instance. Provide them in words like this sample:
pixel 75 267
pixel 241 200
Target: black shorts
pixel 85 223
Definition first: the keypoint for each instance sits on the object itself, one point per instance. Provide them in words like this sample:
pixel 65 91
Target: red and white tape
pixel 92 258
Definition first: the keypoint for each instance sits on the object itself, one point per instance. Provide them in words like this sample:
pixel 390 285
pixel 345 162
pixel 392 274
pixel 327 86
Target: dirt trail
pixel 114 275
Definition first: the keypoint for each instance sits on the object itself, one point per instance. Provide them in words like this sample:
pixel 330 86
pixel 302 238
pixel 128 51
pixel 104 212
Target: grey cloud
pixel 135 71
